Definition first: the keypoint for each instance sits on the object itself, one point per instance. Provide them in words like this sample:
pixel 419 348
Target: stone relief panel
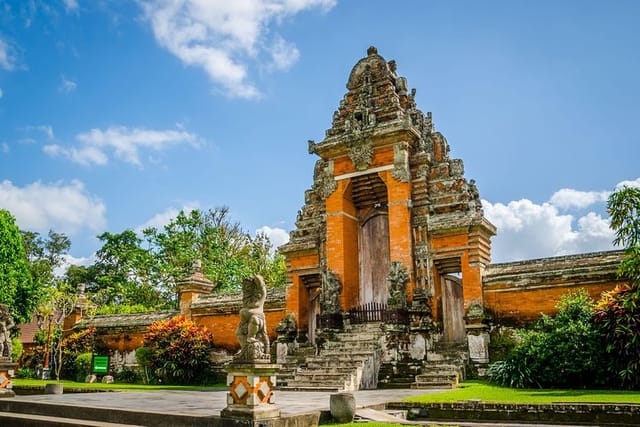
pixel 401 162
pixel 361 153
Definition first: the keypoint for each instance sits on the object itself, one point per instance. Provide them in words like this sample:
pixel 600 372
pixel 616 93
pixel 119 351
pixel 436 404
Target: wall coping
pixel 601 414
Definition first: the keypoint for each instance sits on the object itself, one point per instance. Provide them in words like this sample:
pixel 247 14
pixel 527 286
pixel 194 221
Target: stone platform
pixel 168 408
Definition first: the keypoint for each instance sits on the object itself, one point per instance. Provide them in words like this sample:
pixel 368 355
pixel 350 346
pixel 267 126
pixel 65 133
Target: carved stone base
pixel 251 391
pixel 6 372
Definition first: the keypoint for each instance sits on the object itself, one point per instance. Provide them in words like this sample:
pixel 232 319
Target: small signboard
pixel 100 364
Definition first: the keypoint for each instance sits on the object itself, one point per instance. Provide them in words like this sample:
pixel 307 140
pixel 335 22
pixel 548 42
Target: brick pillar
pixel 400 241
pixel 190 289
pixel 342 242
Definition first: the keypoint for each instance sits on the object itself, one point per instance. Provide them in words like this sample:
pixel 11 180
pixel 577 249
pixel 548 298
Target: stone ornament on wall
pixel 398 278
pixel 361 153
pixel 330 294
pixel 401 162
pixel 252 330
pixel 323 181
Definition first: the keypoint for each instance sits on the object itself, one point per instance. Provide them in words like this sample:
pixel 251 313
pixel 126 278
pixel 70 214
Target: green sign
pixel 100 364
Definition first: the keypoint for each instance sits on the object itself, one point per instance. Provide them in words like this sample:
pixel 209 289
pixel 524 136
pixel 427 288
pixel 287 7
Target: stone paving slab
pixel 212 402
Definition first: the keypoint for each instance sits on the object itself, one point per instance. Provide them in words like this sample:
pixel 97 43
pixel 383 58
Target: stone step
pixel 319 386
pixel 364 354
pixel 437 378
pixel 432 386
pixel 330 364
pixel 31 420
pixel 442 370
pixel 310 388
pixel 323 376
pixel 358 336
pixel 397 382
pixel 352 344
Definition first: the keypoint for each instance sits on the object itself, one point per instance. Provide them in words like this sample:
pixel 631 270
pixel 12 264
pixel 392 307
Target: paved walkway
pixel 211 402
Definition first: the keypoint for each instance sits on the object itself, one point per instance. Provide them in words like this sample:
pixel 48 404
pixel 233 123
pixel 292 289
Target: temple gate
pixel 386 191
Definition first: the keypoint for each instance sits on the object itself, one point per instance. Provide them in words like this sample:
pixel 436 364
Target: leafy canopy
pixel 17 289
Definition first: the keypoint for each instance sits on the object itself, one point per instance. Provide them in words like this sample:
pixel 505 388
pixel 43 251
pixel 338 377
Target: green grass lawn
pixel 491 393
pixel 373 424
pixel 116 386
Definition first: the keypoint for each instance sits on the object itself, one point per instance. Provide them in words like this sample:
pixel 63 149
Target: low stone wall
pixel 574 413
pixel 517 292
pixel 220 314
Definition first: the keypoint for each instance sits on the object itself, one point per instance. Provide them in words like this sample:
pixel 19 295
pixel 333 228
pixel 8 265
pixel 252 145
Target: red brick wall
pixel 223 326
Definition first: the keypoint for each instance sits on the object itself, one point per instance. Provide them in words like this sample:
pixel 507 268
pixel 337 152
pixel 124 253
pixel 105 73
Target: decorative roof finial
pixel 372 51
pixel 196 267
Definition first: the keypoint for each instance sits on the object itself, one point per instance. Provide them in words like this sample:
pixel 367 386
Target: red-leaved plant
pixel 180 351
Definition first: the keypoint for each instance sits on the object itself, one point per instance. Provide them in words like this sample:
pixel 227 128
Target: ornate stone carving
pixel 324 182
pixel 398 278
pixel 287 328
pixel 361 153
pixel 330 294
pixel 311 146
pixel 457 167
pixel 401 162
pixel 252 330
pixel 6 323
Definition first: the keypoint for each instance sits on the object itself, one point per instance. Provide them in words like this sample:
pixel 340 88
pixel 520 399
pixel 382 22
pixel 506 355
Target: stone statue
pixel 330 296
pixel 398 278
pixel 252 330
pixel 6 323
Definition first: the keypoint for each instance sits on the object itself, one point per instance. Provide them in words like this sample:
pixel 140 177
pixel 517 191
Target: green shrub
pixel 24 373
pixel 127 375
pixel 82 365
pixel 123 309
pixel 73 346
pixel 510 373
pixel 16 348
pixel 618 319
pixel 143 358
pixel 562 351
pixel 502 342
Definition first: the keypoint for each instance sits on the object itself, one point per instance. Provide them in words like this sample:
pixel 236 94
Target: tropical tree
pixel 125 273
pixel 58 303
pixel 228 253
pixel 44 255
pixel 17 289
pixel 618 311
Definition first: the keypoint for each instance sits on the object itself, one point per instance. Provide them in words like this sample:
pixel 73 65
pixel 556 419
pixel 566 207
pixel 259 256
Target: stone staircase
pixel 349 361
pixel 443 368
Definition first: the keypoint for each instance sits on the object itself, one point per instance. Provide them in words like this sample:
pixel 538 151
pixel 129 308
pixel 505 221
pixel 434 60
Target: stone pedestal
pixel 251 391
pixel 478 340
pixel 6 372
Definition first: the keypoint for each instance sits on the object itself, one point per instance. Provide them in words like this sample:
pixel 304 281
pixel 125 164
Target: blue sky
pixel 116 114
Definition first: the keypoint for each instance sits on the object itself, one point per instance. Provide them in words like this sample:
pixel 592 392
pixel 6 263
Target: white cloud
pixel 71 5
pixel 69 260
pixel 7 60
pixel 67 86
pixel 283 54
pixel 223 37
pixel 161 219
pixel 528 230
pixel 83 155
pixel 125 143
pixel 277 236
pixel 1 93
pixel 47 130
pixel 66 208
pixel 567 198
pixel 635 183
